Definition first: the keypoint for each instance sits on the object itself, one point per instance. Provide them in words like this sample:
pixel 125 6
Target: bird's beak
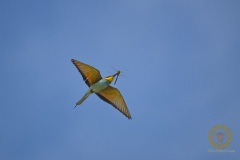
pixel 117 74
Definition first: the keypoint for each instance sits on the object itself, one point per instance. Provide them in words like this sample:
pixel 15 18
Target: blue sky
pixel 181 77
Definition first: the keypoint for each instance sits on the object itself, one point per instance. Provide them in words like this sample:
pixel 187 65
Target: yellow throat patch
pixel 110 78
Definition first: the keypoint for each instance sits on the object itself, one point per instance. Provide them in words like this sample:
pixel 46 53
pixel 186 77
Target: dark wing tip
pixel 128 116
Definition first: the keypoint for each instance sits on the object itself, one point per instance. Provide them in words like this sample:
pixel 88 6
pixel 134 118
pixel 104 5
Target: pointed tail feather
pixel 83 98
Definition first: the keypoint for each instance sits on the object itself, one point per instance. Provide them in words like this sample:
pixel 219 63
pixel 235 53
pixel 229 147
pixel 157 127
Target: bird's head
pixel 111 78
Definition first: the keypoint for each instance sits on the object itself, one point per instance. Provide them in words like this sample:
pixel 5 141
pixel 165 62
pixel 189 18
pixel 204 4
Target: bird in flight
pixel 101 87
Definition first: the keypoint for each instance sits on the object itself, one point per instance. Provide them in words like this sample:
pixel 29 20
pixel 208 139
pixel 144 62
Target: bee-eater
pixel 101 87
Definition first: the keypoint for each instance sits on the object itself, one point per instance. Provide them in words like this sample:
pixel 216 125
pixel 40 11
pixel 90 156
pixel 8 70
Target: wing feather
pixel 90 74
pixel 113 96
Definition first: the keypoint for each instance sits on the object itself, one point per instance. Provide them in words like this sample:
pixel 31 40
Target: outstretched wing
pixel 113 96
pixel 90 74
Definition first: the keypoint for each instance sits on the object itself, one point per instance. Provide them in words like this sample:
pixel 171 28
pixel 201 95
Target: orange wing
pixel 90 74
pixel 113 96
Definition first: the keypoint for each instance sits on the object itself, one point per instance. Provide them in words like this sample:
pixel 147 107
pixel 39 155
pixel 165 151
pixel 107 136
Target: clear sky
pixel 181 77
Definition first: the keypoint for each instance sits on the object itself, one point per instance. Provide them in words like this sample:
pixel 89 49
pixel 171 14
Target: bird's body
pixel 101 86
pixel 95 88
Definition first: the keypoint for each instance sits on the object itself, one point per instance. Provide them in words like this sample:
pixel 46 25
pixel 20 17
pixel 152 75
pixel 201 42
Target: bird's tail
pixel 84 97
